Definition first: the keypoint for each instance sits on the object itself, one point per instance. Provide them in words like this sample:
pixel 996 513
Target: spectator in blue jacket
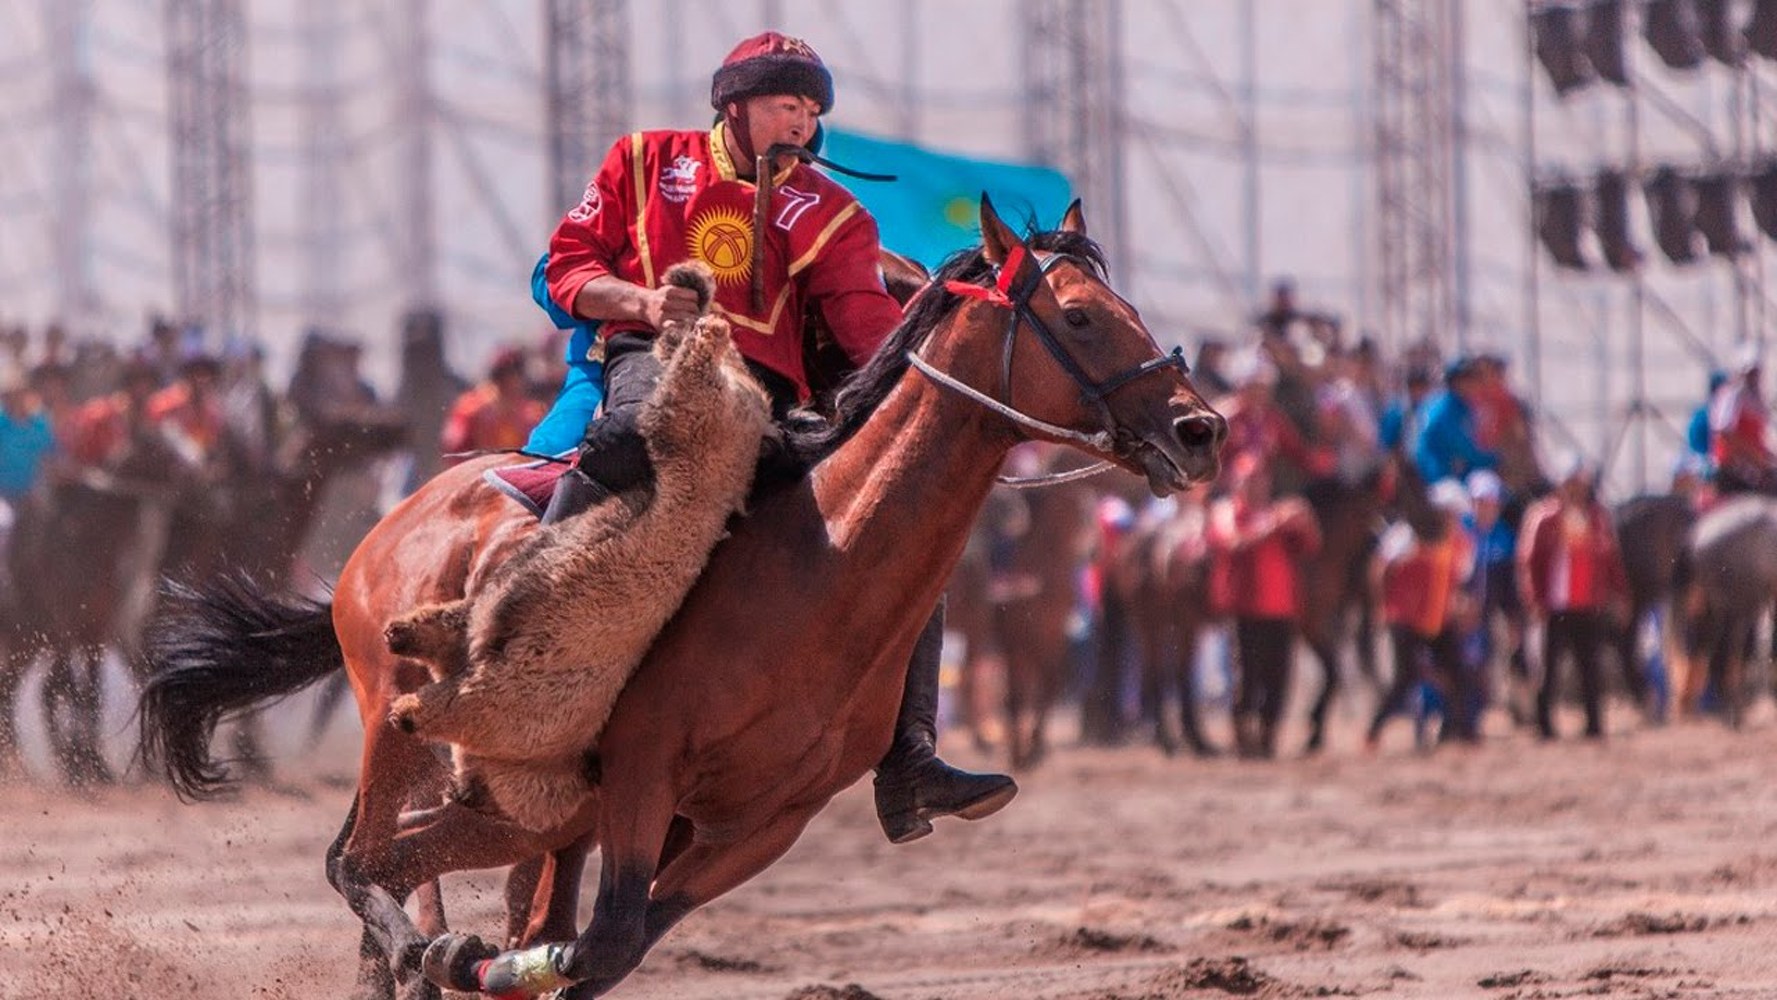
pixel 26 441
pixel 1446 447
pixel 1399 425
pixel 1696 433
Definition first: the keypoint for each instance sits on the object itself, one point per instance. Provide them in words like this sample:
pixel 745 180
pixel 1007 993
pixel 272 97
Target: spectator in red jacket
pixel 1573 580
pixel 498 414
pixel 1259 544
pixel 1419 573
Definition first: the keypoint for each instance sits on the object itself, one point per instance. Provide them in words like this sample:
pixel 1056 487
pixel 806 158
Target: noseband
pixel 1111 439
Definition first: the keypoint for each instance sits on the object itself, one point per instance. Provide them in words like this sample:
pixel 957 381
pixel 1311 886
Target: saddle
pixel 528 664
pixel 529 485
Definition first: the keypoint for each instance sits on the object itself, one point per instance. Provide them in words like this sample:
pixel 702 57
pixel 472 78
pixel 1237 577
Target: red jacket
pixel 1593 576
pixel 1258 555
pixel 481 420
pixel 1419 589
pixel 661 198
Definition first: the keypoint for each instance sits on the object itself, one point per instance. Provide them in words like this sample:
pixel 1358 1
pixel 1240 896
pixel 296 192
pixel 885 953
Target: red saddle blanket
pixel 530 484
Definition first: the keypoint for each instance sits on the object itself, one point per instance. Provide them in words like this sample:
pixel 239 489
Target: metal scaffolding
pixel 417 247
pixel 207 121
pixel 73 97
pixel 1636 312
pixel 1418 162
pixel 589 89
pixel 1075 111
pixel 324 165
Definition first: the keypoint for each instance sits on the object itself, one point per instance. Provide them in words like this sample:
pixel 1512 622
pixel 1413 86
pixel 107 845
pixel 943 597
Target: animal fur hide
pixel 527 669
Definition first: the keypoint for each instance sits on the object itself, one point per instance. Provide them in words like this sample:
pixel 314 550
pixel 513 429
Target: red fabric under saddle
pixel 531 484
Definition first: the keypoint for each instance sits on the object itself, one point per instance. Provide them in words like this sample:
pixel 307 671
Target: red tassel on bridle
pixel 1001 292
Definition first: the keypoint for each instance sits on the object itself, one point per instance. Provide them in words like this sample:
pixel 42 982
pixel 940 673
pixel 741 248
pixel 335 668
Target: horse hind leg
pixel 87 707
pixel 57 700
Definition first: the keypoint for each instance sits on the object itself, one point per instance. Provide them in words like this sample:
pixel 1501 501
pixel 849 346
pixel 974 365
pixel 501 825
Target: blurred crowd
pixel 1469 543
pixel 83 409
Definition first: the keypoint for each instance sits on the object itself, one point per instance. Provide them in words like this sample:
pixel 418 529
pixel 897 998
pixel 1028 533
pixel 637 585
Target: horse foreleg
pixel 1049 684
pixel 1367 659
pixel 1326 653
pixel 612 944
pixel 701 873
pixel 1190 699
pixel 1155 663
pixel 1731 685
pixel 1627 645
pixel 1017 749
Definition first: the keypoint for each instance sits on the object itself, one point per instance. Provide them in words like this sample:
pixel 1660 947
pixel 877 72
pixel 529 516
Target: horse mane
pixel 805 437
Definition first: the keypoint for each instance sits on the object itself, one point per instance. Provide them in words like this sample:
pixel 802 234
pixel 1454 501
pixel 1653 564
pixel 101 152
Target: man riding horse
pixel 664 197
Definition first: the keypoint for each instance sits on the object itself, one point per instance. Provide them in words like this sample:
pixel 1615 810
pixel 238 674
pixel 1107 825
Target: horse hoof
pixel 450 961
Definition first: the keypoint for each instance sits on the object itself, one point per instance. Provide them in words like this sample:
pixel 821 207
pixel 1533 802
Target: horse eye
pixel 1076 317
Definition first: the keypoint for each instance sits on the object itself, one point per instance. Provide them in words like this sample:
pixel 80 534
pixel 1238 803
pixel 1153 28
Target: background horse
pixel 1034 598
pixel 1653 534
pixel 1727 580
pixel 1158 575
pixel 777 683
pixel 75 552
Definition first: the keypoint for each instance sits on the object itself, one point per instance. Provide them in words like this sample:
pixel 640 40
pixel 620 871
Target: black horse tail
pixel 219 649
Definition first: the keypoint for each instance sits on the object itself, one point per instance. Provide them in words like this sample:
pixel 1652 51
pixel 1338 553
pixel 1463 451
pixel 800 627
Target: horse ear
pixel 1074 219
pixel 997 238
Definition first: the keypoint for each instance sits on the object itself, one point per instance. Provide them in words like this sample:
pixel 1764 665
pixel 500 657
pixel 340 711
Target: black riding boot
pixel 913 786
pixel 575 492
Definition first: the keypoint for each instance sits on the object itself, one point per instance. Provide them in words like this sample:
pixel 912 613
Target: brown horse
pixel 777 683
pixel 1162 574
pixel 1030 618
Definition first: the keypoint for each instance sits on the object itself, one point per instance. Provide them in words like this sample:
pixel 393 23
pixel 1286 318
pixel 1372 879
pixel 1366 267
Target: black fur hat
pixel 772 63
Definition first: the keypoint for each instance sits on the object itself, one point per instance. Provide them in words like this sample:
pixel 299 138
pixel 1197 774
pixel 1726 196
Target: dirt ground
pixel 1642 867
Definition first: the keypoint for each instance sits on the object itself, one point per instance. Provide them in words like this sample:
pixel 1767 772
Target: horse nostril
pixel 1197 432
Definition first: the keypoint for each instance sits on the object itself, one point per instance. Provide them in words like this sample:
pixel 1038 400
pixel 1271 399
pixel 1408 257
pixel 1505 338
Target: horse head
pixel 1075 363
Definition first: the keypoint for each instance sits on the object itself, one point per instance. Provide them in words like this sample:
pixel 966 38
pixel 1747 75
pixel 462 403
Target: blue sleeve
pixel 585 335
pixel 1696 434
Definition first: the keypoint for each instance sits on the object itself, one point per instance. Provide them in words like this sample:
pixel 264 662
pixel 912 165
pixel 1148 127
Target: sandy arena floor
pixel 1644 867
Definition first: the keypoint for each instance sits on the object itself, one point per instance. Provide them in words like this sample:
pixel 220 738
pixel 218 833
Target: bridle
pixel 1015 296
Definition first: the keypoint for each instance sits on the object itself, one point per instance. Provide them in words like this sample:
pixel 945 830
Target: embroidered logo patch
pixel 589 205
pixel 678 182
pixel 723 239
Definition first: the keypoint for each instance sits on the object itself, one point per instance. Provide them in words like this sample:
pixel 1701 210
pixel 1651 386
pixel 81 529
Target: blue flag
pixel 933 210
